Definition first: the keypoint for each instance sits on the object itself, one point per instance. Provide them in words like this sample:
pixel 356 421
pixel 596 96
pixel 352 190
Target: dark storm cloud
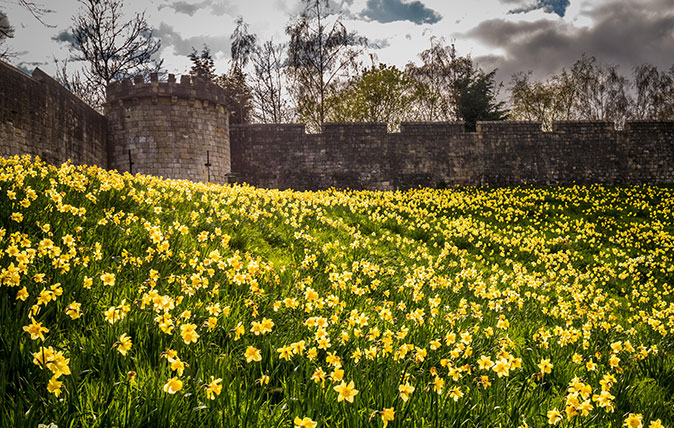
pixel 399 10
pixel 496 32
pixel 65 36
pixel 624 33
pixel 216 7
pixel 184 46
pixel 185 7
pixel 549 6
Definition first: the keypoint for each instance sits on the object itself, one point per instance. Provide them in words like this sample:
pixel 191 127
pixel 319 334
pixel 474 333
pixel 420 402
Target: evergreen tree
pixel 476 99
pixel 203 64
pixel 239 96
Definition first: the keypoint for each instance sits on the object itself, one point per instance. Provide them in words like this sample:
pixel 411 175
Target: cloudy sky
pixel 511 35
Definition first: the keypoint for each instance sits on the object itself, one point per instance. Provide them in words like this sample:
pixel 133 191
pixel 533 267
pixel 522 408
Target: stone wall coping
pixel 189 87
pixel 483 127
pixel 637 124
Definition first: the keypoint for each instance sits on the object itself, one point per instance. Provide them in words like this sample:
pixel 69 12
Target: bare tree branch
pixel 318 55
pixel 37 10
pixel 269 97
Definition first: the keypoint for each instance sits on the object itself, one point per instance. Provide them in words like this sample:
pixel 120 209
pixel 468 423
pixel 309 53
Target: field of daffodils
pixel 132 301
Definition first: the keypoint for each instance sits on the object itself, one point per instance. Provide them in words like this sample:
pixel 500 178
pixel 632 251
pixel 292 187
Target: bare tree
pixel 36 9
pixel 654 93
pixel 600 91
pixel 269 97
pixel 542 101
pixel 113 48
pixel 588 91
pixel 318 55
pixel 435 81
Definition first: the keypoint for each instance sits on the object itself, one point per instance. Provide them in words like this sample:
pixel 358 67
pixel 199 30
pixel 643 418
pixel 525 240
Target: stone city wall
pixel 173 129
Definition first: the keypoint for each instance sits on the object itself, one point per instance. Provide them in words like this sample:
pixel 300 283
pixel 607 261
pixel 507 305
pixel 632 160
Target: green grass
pixel 413 287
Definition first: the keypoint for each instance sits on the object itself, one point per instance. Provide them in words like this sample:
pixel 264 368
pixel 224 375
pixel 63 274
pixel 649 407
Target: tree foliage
pixel 239 96
pixel 243 45
pixel 452 87
pixel 234 83
pixel 435 81
pixel 203 64
pixel 476 99
pixel 379 94
pixel 6 32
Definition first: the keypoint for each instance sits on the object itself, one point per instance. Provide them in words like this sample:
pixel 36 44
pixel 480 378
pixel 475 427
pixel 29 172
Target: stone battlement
pixel 188 88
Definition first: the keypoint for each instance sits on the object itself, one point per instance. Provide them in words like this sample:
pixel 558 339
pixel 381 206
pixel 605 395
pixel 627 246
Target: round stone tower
pixel 169 129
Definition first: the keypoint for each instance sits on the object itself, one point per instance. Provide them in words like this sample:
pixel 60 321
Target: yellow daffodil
pixel 554 416
pixel 35 330
pixel 214 388
pixel 54 386
pixel 633 420
pixel 124 344
pixel 253 354
pixel 346 391
pixel 545 366
pixel 405 391
pixel 304 422
pixel 387 415
pixel 173 385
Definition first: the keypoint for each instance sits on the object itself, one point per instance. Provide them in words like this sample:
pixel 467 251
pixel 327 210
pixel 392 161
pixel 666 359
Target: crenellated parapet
pixel 508 127
pixel 189 87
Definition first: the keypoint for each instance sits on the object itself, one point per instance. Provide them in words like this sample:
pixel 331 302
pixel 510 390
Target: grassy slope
pixel 567 271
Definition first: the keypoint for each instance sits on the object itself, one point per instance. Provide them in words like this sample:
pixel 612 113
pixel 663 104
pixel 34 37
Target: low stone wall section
pixel 366 156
